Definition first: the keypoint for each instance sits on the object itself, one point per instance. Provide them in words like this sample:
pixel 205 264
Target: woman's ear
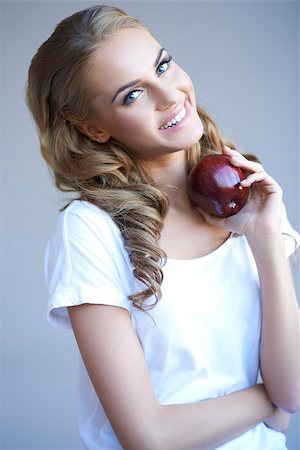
pixel 94 132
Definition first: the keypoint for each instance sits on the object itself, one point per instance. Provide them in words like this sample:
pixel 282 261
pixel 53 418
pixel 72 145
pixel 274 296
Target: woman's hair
pixel 104 174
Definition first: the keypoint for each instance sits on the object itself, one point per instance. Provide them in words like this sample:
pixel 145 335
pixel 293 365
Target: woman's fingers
pixel 254 171
pixel 253 178
pixel 237 159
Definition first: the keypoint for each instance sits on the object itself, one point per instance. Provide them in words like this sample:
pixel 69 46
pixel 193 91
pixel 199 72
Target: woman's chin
pixel 195 138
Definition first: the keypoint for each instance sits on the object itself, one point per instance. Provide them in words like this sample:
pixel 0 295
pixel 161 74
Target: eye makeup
pixel 135 82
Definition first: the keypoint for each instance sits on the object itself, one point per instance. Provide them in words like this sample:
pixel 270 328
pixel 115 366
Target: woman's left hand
pixel 262 212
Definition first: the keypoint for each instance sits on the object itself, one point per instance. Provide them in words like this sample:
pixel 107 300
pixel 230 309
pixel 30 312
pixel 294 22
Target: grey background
pixel 244 60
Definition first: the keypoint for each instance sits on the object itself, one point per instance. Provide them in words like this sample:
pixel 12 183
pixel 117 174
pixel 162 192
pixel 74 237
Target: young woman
pixel 174 310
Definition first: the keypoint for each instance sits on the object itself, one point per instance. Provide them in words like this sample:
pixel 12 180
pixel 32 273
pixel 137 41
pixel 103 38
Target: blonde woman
pixel 174 310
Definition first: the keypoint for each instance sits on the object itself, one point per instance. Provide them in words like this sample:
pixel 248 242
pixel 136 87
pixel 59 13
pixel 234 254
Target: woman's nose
pixel 166 96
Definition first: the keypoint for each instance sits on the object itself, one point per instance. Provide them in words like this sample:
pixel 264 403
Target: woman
pixel 174 310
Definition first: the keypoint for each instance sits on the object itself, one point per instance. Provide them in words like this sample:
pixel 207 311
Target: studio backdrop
pixel 243 57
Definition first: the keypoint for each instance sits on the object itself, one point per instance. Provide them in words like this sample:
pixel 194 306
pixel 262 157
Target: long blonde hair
pixel 104 174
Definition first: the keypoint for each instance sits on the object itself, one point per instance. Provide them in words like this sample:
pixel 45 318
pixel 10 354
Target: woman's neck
pixel 168 172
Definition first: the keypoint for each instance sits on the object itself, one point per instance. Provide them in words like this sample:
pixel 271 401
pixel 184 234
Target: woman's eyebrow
pixel 159 56
pixel 134 82
pixel 122 88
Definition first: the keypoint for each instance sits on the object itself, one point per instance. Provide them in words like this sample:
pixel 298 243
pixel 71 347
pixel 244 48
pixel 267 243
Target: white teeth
pixel 176 120
pixel 182 113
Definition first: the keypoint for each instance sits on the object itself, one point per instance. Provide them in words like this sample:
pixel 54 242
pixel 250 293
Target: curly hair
pixel 102 173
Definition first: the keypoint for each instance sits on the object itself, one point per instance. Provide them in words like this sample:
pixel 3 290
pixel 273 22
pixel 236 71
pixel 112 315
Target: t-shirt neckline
pixel 210 255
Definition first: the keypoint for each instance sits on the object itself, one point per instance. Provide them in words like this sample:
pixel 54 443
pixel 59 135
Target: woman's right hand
pixel 279 421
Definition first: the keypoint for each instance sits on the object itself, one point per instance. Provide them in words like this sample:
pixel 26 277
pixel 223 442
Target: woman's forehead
pixel 122 58
pixel 126 45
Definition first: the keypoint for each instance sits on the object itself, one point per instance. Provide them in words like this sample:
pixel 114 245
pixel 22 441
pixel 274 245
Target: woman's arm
pixel 260 222
pixel 280 337
pixel 280 343
pixel 115 362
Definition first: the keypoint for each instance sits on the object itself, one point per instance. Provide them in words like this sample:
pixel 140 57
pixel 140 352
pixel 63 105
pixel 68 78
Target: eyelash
pixel 167 60
pixel 126 100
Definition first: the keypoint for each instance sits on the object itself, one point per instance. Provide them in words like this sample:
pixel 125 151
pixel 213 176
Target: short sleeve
pixel 85 262
pixel 290 235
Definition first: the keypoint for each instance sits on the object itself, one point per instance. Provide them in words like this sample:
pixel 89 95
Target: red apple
pixel 214 185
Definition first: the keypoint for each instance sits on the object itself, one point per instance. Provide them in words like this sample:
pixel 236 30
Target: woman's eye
pixel 163 66
pixel 131 97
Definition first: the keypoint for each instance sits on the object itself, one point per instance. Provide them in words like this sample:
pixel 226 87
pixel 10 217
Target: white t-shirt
pixel 202 339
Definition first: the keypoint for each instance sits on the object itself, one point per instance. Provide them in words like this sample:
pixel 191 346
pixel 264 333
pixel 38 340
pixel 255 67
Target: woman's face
pixel 141 97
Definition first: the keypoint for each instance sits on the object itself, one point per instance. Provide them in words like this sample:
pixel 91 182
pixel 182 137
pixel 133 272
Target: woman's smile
pixel 175 119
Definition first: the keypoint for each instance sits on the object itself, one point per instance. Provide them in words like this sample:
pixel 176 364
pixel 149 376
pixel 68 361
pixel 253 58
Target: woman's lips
pixel 176 117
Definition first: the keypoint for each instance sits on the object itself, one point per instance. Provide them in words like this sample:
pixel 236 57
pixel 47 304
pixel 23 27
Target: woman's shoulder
pixel 86 229
pixel 85 262
pixel 290 235
pixel 86 211
pixel 81 216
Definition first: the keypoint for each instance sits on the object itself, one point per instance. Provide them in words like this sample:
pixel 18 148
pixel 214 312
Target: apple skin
pixel 214 185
